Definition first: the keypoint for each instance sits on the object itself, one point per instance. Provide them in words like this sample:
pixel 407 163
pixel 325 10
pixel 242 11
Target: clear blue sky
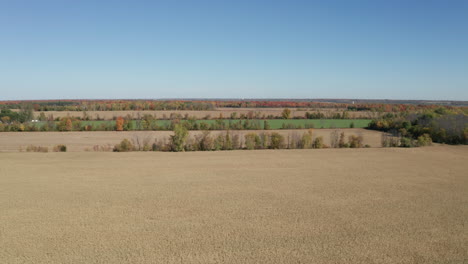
pixel 398 49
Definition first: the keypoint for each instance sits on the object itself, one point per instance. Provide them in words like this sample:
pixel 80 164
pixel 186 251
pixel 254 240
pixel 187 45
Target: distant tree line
pixel 12 121
pixel 122 105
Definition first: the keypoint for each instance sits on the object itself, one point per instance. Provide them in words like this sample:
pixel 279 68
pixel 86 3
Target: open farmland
pixel 289 206
pixel 225 112
pixel 81 141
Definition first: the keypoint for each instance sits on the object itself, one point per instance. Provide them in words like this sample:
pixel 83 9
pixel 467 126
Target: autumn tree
pixel 5 119
pixel 68 125
pixel 286 114
pixel 119 123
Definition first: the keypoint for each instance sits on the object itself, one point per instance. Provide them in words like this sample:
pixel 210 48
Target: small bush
pixel 103 148
pixel 276 141
pixel 124 146
pixel 355 141
pixel 60 148
pixel 390 140
pixel 318 143
pixel 32 148
pixel 424 140
pixel 406 142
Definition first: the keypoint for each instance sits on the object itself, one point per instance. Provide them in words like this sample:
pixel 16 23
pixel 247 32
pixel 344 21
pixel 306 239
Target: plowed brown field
pixel 286 206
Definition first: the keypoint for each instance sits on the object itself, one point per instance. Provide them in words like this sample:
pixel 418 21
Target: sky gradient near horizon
pixel 369 49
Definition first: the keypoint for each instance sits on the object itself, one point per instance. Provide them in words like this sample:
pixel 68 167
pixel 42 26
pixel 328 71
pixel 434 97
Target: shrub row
pixel 181 141
pixel 395 139
pixel 57 148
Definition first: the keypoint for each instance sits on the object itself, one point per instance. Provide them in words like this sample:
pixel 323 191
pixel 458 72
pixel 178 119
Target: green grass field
pixel 273 123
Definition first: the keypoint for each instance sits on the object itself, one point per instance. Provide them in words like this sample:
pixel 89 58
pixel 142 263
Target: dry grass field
pixel 289 206
pixel 225 112
pixel 80 141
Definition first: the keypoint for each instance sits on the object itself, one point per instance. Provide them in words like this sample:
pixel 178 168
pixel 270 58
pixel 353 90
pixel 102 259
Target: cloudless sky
pixel 398 49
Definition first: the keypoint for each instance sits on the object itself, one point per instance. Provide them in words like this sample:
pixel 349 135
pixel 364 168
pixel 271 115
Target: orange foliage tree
pixel 68 125
pixel 119 122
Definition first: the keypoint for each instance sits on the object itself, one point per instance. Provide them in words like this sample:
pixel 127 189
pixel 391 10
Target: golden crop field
pixel 378 205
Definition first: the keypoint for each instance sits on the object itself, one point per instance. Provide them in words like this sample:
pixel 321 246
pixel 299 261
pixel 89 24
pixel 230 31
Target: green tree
pixel 179 138
pixel 219 142
pixel 128 124
pixel 251 140
pixel 26 113
pixel 228 141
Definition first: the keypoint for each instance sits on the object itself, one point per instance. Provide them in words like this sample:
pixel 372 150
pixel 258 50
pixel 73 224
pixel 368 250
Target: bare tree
pixel 335 138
